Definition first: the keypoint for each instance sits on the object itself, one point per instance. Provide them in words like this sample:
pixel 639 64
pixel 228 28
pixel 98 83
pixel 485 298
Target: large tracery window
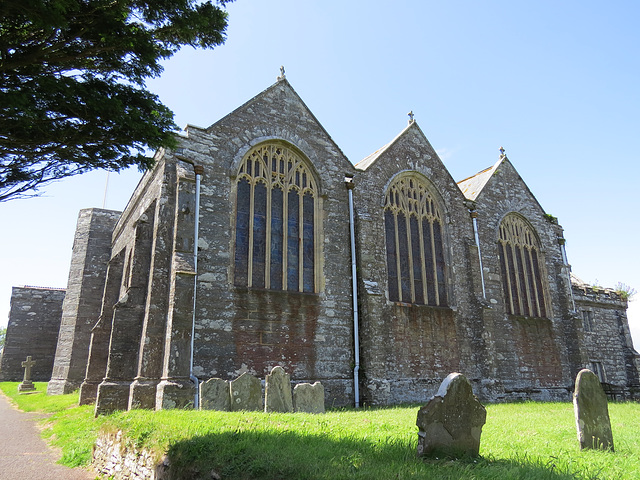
pixel 275 221
pixel 415 253
pixel 520 265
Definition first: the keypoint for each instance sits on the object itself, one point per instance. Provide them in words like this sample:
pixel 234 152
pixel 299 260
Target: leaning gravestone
pixel 27 385
pixel 277 391
pixel 215 395
pixel 246 393
pixel 592 413
pixel 308 398
pixel 451 422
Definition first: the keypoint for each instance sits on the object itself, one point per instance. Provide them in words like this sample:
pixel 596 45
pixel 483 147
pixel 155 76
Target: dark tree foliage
pixel 72 83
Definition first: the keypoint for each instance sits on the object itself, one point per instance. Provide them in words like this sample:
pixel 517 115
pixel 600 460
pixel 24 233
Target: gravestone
pixel 246 393
pixel 592 413
pixel 277 391
pixel 308 398
pixel 27 384
pixel 450 424
pixel 215 395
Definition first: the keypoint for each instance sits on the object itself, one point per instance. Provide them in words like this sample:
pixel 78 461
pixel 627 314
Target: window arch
pixel 276 203
pixel 521 268
pixel 415 252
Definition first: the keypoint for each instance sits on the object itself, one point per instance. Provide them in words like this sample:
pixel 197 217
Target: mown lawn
pixel 519 441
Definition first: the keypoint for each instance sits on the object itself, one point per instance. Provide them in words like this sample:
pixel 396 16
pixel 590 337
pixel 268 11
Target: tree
pixel 72 83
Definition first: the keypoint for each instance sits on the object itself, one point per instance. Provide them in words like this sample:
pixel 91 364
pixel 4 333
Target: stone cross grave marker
pixel 27 385
pixel 277 391
pixel 592 413
pixel 451 422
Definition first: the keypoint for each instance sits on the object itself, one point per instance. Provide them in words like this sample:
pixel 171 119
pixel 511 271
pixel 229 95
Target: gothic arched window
pixel 415 254
pixel 276 205
pixel 520 265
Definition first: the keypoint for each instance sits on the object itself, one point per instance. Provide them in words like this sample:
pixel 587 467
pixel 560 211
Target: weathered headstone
pixel 592 412
pixel 215 395
pixel 308 398
pixel 27 385
pixel 277 391
pixel 246 393
pixel 450 424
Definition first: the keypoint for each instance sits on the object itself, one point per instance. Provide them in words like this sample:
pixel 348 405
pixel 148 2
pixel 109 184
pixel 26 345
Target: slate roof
pixel 472 186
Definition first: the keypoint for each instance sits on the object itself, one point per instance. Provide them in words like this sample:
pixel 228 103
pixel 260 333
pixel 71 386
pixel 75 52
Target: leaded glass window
pixel 520 267
pixel 416 268
pixel 276 207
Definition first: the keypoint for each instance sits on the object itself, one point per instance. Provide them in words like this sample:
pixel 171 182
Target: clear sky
pixel 557 84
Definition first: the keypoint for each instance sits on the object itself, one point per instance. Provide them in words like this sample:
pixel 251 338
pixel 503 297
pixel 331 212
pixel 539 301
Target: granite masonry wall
pixel 34 321
pixel 82 303
pixel 134 312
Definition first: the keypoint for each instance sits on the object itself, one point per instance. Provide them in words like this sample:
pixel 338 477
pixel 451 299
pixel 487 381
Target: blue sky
pixel 555 83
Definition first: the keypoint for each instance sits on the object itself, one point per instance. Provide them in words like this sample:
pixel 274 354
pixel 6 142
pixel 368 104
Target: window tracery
pixel 276 204
pixel 520 265
pixel 415 254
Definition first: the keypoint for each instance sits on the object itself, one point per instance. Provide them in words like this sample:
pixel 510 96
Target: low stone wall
pixel 114 460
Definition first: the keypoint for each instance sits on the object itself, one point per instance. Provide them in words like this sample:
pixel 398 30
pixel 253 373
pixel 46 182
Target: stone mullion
pixel 435 264
pixel 300 239
pixel 517 277
pixel 535 286
pixel 251 213
pixel 423 263
pixel 508 277
pixel 410 253
pixel 399 279
pixel 285 232
pixel 267 253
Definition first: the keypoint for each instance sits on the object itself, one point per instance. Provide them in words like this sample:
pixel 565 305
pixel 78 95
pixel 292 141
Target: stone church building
pixel 239 250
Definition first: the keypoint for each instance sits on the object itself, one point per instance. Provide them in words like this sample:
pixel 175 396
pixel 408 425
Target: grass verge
pixel 519 441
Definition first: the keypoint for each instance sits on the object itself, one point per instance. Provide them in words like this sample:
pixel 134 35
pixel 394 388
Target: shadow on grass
pixel 288 455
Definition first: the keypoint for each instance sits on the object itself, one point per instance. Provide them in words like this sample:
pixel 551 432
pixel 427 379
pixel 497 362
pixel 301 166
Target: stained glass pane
pixel 417 261
pixel 439 253
pixel 392 266
pixel 536 270
pixel 532 284
pixel 276 239
pixel 259 234
pixel 429 256
pixel 505 283
pixel 512 279
pixel 293 242
pixel 523 287
pixel 242 234
pixel 403 251
pixel 307 243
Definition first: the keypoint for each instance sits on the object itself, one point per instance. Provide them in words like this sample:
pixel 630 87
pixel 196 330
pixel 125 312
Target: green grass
pixel 519 441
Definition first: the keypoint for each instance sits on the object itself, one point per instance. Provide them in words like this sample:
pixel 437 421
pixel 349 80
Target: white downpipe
pixel 474 217
pixel 354 282
pixel 198 171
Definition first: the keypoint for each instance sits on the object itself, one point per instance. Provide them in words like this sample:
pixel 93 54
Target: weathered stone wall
pixel 240 329
pixel 82 303
pixel 407 350
pixel 529 356
pixel 34 321
pixel 605 338
pixel 115 460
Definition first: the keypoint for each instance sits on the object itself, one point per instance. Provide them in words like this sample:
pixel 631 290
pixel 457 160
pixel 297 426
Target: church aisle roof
pixel 472 186
pixel 369 160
